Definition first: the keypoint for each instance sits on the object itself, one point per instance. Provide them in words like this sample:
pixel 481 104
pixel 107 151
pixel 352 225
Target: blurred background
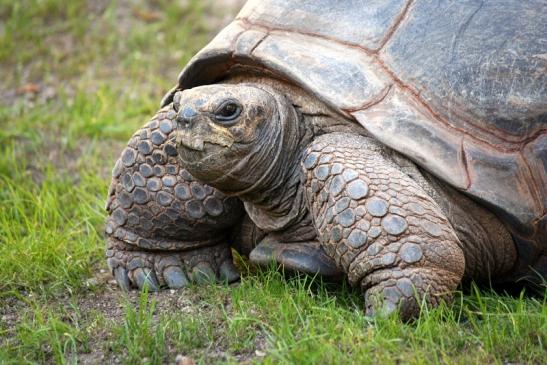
pixel 77 78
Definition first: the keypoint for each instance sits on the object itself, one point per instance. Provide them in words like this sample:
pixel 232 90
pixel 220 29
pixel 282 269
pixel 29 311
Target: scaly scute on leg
pixel 379 226
pixel 164 228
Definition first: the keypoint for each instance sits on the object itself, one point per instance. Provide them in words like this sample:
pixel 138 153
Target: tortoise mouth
pixel 195 144
pixel 205 160
pixel 200 153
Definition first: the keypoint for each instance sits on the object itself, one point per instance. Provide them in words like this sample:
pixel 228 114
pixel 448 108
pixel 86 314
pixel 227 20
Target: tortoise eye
pixel 228 111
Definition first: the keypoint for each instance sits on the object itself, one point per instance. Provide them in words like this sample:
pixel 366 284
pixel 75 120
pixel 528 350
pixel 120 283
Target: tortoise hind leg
pixel 303 257
pixel 163 227
pixel 296 249
pixel 379 226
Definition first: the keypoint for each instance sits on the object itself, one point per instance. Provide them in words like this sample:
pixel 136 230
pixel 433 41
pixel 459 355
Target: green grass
pixel 78 78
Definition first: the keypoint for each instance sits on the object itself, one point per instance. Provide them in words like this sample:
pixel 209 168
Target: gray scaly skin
pixel 379 225
pixel 320 197
pixel 164 228
pixel 383 229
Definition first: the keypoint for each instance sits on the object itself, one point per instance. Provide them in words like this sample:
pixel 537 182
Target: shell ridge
pixel 393 28
pixel 389 73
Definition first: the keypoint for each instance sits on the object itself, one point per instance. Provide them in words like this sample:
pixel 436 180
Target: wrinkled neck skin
pixel 277 202
pixel 274 199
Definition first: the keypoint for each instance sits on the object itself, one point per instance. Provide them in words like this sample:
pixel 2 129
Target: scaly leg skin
pixel 379 226
pixel 164 228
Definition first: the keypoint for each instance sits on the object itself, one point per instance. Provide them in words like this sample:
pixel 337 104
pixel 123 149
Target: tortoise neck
pixel 278 202
pixel 279 206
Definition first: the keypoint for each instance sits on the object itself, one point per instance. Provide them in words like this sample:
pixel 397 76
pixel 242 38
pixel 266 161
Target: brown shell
pixel 460 89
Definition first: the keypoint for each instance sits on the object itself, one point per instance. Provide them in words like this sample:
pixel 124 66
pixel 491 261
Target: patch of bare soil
pixel 108 300
pixel 101 309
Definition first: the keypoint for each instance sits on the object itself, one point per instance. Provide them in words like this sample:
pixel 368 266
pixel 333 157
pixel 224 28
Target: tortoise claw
pixel 120 274
pixel 173 270
pixel 203 273
pixel 174 277
pixel 145 277
pixel 228 272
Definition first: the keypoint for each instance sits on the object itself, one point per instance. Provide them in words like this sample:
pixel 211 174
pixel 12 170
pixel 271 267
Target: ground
pixel 76 79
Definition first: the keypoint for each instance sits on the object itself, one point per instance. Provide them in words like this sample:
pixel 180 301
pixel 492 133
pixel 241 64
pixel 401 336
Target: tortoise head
pixel 232 136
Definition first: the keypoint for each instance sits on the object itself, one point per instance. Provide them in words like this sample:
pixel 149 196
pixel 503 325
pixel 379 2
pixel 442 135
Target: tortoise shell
pixel 458 87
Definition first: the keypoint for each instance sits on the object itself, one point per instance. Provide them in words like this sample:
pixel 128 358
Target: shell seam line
pixel 269 29
pixel 404 86
pixel 464 163
pixel 266 34
pixel 234 41
pixel 400 17
pixel 533 191
pixel 370 103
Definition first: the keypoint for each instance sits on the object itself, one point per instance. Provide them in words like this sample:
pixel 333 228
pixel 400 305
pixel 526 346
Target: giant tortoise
pixel 399 144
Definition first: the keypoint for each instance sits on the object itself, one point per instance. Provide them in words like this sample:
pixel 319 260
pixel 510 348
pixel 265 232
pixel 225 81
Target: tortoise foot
pixel 405 291
pixel 136 268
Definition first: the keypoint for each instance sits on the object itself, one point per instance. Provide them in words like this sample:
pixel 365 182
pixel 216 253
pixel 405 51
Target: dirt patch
pixel 101 312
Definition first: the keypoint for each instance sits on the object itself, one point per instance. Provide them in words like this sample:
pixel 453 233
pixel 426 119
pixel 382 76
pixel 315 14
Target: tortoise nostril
pixel 186 115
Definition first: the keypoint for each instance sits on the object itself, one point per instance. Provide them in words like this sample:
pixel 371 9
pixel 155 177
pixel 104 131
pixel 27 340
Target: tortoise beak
pixel 187 140
pixel 186 134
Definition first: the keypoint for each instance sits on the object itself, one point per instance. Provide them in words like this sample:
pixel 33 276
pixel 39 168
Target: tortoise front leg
pixel 380 227
pixel 164 228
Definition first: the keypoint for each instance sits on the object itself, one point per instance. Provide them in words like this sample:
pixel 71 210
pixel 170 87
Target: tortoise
pixel 400 145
